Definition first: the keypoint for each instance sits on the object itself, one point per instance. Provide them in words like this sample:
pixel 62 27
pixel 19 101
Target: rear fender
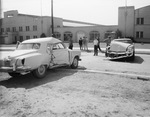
pixel 34 61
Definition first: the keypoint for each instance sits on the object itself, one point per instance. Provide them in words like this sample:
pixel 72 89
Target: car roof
pixel 42 40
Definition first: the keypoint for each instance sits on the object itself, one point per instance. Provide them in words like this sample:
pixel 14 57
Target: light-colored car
pixel 37 55
pixel 121 48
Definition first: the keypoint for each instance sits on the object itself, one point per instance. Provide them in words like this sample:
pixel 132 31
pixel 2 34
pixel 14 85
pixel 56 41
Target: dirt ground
pixel 75 94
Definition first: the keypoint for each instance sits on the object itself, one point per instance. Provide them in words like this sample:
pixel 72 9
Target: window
pixel 10 15
pixel 34 36
pixel 8 29
pixel 57 35
pixel 34 28
pixel 28 46
pixel 27 37
pixel 94 34
pixel 20 28
pixel 15 39
pixel 21 38
pixel 58 46
pixel 139 34
pixel 2 29
pixel 140 21
pixel 67 35
pixel 27 28
pixel 14 29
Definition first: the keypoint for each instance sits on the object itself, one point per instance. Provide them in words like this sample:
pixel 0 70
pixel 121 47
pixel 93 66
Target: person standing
pixel 98 46
pixel 108 41
pixel 70 43
pixel 80 43
pixel 86 43
pixel 95 47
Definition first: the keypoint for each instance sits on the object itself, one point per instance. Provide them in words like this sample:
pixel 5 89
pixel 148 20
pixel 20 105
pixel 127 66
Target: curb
pixel 126 75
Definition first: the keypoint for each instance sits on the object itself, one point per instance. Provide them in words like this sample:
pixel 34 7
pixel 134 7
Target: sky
pixel 104 12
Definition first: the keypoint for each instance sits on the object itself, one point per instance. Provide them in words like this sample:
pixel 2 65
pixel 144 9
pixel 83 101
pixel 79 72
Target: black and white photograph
pixel 74 58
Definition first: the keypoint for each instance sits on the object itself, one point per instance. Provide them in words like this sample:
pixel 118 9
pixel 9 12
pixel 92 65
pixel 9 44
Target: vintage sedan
pixel 37 55
pixel 121 48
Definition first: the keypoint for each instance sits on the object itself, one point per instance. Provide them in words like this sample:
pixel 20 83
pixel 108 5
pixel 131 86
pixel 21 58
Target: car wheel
pixel 74 64
pixel 40 72
pixel 14 74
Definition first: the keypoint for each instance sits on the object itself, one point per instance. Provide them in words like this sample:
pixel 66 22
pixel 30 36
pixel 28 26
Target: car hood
pixel 118 46
pixel 18 53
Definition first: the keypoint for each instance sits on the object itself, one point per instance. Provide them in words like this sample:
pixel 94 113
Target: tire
pixel 75 63
pixel 14 74
pixel 40 72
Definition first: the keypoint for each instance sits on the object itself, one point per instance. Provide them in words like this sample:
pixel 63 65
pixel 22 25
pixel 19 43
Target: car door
pixel 60 54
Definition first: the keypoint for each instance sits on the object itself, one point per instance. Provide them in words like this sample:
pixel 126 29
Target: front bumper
pixel 21 69
pixel 116 55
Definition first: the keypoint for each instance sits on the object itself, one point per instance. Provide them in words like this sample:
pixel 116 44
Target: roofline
pixel 142 7
pixel 80 22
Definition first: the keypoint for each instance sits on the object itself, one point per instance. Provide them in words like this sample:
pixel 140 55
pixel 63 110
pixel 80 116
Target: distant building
pixel 133 23
pixel 18 27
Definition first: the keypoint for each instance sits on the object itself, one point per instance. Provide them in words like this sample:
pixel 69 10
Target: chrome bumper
pixel 115 55
pixel 17 69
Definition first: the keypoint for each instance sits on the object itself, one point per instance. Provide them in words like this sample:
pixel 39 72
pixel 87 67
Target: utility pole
pixel 125 16
pixel 52 22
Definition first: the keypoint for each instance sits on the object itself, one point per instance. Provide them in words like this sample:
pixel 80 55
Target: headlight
pixel 20 62
pixel 130 49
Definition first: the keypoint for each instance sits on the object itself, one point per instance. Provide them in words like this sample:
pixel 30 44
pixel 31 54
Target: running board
pixel 55 66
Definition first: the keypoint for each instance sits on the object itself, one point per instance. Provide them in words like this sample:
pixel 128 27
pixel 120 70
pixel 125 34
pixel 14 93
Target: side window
pixel 49 48
pixel 36 46
pixel 58 46
pixel 61 46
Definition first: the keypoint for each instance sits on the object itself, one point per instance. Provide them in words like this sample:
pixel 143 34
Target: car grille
pixel 112 55
pixel 5 63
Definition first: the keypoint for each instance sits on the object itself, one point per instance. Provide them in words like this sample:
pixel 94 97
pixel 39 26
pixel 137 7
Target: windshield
pixel 28 46
pixel 124 40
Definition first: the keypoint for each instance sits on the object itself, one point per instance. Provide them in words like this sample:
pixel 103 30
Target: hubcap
pixel 41 70
pixel 75 62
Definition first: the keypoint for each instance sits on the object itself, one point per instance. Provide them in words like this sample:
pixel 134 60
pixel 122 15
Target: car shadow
pixel 137 60
pixel 28 81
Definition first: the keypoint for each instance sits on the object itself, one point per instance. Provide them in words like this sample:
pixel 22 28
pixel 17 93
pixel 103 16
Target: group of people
pixel 83 43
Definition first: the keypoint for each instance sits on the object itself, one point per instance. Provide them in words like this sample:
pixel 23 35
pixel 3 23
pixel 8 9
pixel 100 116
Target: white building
pixel 18 27
pixel 134 23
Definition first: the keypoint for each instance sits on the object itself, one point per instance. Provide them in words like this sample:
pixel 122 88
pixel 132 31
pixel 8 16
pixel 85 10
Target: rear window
pixel 28 46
